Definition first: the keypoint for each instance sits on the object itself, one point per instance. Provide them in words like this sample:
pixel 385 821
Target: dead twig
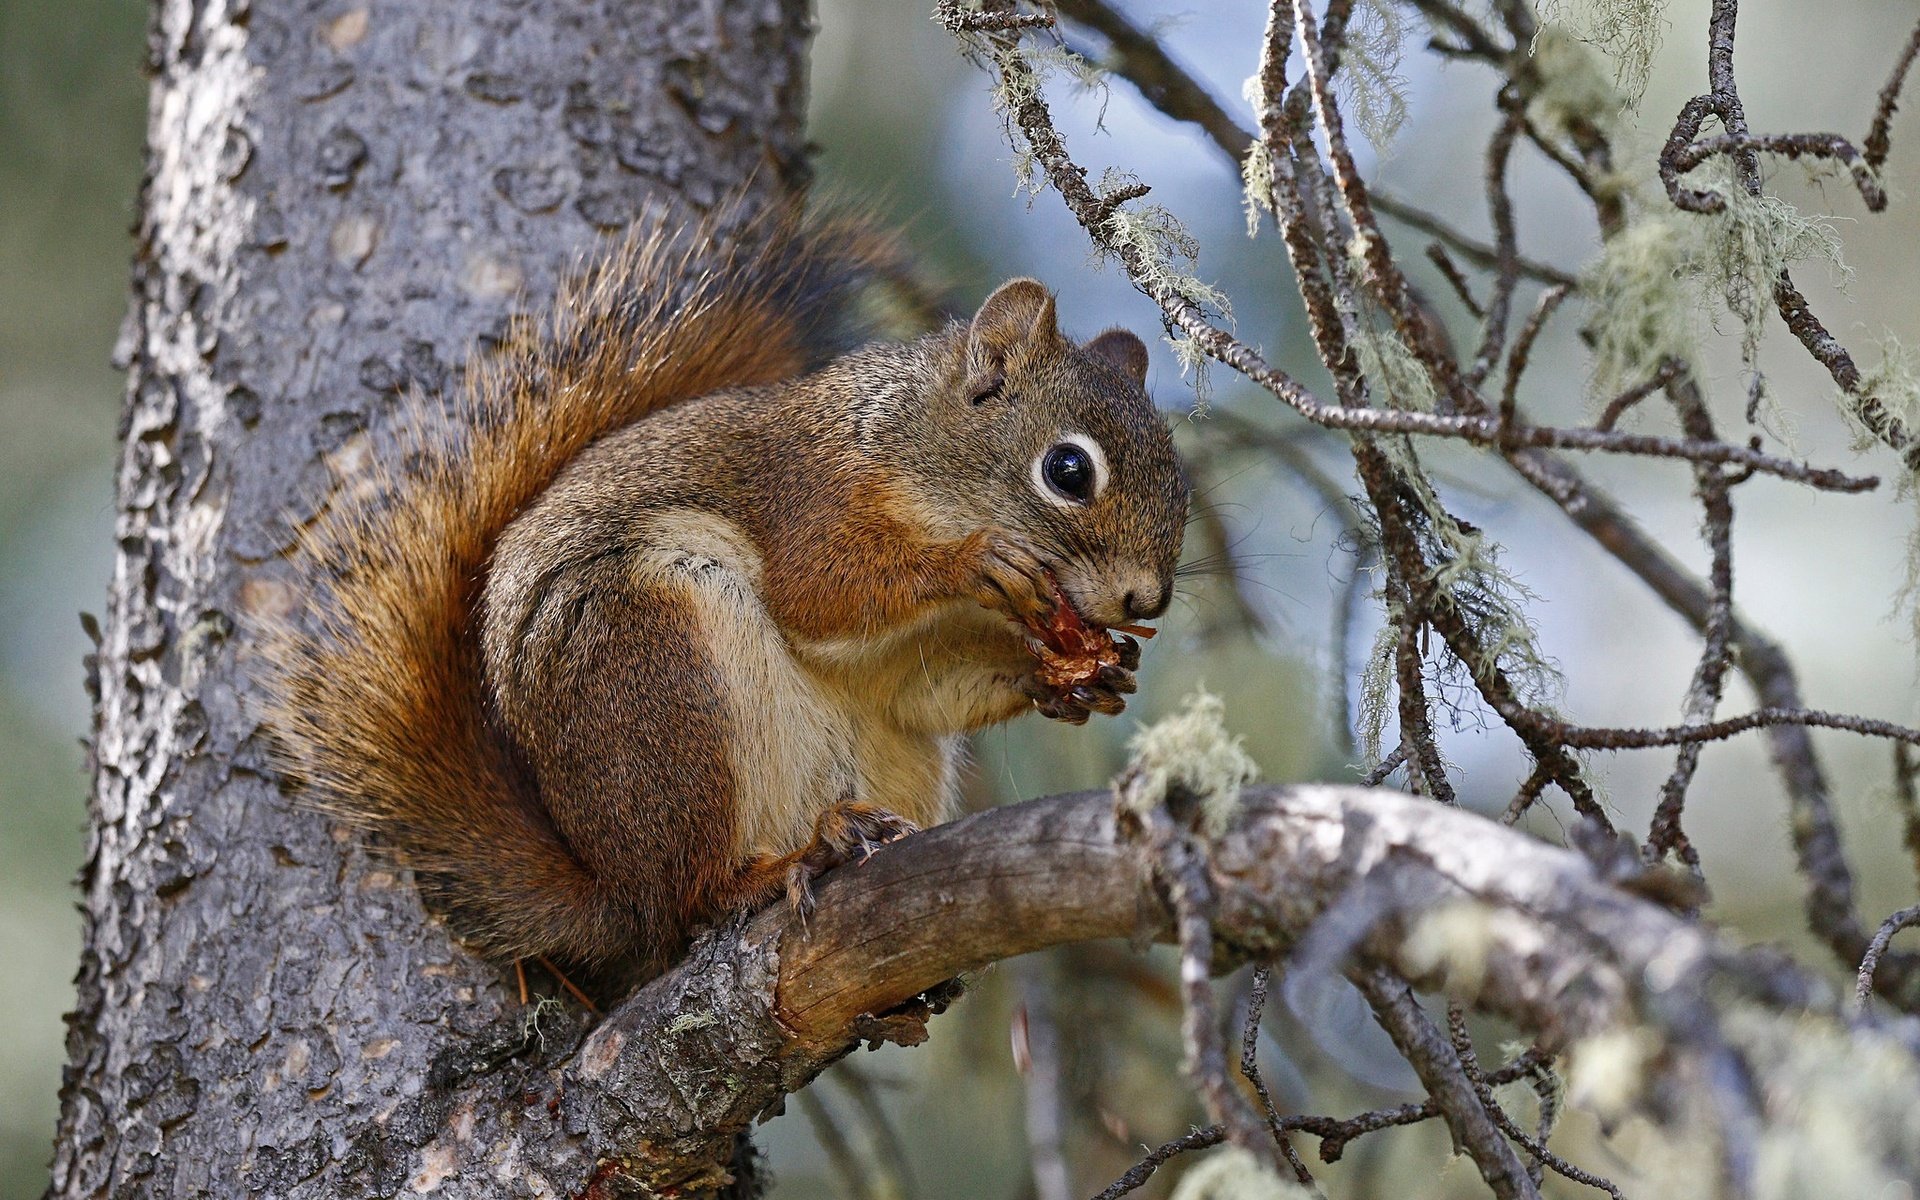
pixel 1870 962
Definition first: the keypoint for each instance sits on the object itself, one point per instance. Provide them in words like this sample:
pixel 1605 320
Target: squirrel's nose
pixel 1148 603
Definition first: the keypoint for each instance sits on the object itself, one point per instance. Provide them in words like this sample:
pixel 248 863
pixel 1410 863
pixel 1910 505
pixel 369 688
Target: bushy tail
pixel 379 703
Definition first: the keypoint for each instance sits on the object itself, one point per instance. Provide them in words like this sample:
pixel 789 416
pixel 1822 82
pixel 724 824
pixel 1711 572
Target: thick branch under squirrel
pixel 697 590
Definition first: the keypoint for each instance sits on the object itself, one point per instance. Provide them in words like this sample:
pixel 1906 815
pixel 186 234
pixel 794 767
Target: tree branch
pixel 758 1009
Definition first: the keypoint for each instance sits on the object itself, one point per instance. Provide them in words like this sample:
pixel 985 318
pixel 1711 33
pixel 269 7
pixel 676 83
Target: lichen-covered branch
pixel 1535 934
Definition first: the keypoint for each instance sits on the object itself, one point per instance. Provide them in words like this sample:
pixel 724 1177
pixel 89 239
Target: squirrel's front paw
pixel 1012 578
pixel 1105 693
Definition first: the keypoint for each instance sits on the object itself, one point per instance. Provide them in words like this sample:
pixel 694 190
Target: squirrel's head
pixel 1058 441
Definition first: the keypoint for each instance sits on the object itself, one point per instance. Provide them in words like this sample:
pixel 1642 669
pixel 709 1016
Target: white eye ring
pixel 1053 495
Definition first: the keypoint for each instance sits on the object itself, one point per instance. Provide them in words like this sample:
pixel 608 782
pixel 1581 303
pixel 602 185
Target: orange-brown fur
pixel 660 618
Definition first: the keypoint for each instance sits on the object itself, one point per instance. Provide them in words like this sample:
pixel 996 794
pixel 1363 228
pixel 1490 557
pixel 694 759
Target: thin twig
pixel 1880 137
pixel 1528 794
pixel 1470 1063
pixel 1137 1176
pixel 1870 962
pixel 1670 369
pixel 1595 738
pixel 1440 1070
pixel 1437 254
pixel 1523 350
pixel 1394 760
pixel 1506 270
pixel 1250 1067
pixel 1181 865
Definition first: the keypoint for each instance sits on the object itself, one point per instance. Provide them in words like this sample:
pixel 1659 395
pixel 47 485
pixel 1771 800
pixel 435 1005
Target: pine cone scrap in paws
pixel 1072 651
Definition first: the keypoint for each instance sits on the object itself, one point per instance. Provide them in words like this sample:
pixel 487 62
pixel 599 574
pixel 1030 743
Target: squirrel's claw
pixel 852 830
pixel 848 831
pixel 1119 679
pixel 1107 694
pixel 1013 579
pixel 799 883
pixel 844 832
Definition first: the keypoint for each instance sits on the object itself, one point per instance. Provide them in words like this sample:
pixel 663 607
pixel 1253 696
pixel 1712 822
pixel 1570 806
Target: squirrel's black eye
pixel 1069 470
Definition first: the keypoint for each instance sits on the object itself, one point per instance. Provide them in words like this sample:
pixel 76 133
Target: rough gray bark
pixel 340 202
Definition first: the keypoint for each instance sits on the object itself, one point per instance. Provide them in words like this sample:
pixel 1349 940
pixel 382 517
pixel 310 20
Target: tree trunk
pixel 340 203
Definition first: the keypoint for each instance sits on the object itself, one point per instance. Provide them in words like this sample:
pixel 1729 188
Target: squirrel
pixel 696 591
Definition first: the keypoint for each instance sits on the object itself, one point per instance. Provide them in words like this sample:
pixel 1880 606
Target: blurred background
pixel 901 119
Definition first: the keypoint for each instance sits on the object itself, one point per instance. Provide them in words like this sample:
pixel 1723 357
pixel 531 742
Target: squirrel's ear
pixel 1122 351
pixel 1018 317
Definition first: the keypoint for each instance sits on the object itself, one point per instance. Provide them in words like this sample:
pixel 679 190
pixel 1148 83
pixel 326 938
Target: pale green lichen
pixel 1256 169
pixel 1651 279
pixel 1627 31
pixel 1892 384
pixel 1166 251
pixel 1376 691
pixel 1231 1173
pixel 1465 570
pixel 1454 941
pixel 1838 1104
pixel 1369 85
pixel 1906 600
pixel 1573 91
pixel 531 1018
pixel 1165 254
pixel 1024 80
pixel 691 1020
pixel 1392 371
pixel 1193 751
pixel 1466 576
pixel 1884 407
pixel 1888 397
pixel 1536 1095
pixel 1640 303
pixel 1843 1106
pixel 1607 1072
pixel 1256 179
pixel 1749 242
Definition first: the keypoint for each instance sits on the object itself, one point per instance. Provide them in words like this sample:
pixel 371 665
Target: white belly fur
pixel 807 730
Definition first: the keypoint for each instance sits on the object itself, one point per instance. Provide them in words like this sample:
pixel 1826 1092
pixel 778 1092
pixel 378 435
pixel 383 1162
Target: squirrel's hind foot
pixel 853 829
pixel 848 831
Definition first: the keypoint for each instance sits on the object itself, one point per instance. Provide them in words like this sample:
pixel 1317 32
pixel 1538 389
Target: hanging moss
pixel 1640 305
pixel 1467 573
pixel 1015 88
pixel 1369 86
pixel 1467 577
pixel 1166 254
pixel 1256 179
pixel 1573 89
pixel 1376 690
pixel 1650 280
pixel 1393 374
pixel 1628 31
pixel 1749 242
pixel 1888 397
